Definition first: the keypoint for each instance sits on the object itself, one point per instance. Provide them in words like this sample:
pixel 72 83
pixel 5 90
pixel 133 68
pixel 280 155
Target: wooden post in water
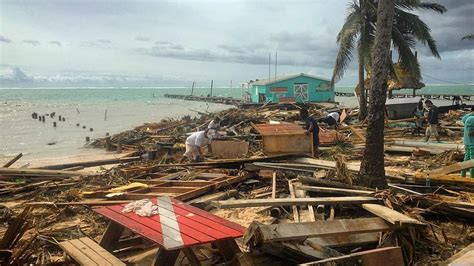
pixel 54 124
pixel 212 83
pixel 192 88
pixel 119 145
pixel 43 118
pixel 108 145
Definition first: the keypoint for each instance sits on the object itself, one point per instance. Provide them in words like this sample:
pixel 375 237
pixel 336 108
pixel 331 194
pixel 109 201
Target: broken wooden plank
pixel 92 163
pixel 358 133
pixel 38 172
pixel 12 161
pixel 296 215
pixel 390 215
pixel 457 167
pixel 433 145
pixel 463 257
pixel 389 256
pixel 340 191
pixel 347 240
pixel 292 202
pixel 444 178
pixel 299 231
pixel 274 185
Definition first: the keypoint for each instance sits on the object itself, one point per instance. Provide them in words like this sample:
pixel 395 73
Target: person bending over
pixel 194 144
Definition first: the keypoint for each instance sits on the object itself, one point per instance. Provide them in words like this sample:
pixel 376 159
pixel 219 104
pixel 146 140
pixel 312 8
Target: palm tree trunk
pixel 372 170
pixel 362 99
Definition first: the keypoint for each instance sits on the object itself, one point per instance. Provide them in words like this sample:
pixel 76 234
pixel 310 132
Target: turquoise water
pixel 108 110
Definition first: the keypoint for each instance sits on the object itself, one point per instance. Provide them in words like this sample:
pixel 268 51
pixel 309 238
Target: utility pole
pixel 212 83
pixel 231 84
pixel 269 65
pixel 276 58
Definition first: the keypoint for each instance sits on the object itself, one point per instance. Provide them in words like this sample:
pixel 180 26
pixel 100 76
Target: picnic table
pixel 177 227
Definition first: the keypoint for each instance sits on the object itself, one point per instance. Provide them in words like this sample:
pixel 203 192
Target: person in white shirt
pixel 194 144
pixel 215 124
pixel 332 119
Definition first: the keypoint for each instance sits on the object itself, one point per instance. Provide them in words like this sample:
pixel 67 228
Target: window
pixel 301 91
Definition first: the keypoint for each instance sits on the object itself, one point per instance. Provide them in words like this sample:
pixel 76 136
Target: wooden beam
pixel 300 231
pixel 457 167
pixel 390 215
pixel 38 172
pixel 12 161
pixel 292 202
pixel 339 191
pixel 274 185
pixel 463 257
pixel 346 240
pixel 444 178
pixel 92 163
pixel 358 133
pixel 390 256
pixel 296 215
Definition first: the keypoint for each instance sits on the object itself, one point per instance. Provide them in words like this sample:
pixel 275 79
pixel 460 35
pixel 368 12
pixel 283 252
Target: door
pixel 301 92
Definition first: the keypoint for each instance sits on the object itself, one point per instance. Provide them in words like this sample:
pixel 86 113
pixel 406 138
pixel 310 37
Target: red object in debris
pixel 177 225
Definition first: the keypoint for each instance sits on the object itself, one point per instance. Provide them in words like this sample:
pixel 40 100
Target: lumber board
pixel 12 161
pixel 432 145
pixel 358 133
pixel 346 240
pixel 92 163
pixel 38 172
pixel 389 256
pixel 390 215
pixel 463 257
pixel 293 202
pixel 296 215
pixel 304 230
pixel 451 168
pixel 444 178
pixel 339 191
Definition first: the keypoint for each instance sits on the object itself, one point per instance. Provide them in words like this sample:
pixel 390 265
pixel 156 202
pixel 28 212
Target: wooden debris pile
pixel 297 209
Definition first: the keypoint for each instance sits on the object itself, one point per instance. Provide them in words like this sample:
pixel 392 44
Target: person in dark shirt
pixel 311 126
pixel 432 118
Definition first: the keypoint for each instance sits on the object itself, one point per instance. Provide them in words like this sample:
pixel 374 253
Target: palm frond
pixel 468 37
pixel 344 56
pixel 420 5
pixel 408 23
pixel 407 59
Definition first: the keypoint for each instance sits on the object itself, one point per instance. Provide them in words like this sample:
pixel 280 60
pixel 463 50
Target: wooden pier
pixel 423 95
pixel 210 99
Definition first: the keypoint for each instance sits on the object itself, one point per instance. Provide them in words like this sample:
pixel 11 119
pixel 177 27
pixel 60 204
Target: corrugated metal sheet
pixel 279 129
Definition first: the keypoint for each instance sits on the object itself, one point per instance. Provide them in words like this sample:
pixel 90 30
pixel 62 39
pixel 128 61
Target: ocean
pixel 109 110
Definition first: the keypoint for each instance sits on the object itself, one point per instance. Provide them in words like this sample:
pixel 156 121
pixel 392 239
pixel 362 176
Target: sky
pixel 172 43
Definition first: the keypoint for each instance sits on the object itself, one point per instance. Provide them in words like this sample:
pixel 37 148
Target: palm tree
pixel 358 33
pixel 372 170
pixel 468 37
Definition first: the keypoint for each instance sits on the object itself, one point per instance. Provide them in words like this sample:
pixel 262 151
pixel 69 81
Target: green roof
pixel 282 78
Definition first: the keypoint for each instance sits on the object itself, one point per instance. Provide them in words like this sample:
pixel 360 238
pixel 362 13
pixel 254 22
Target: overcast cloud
pixel 175 42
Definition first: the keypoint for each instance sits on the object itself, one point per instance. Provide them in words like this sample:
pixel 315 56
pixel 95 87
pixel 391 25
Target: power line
pixel 455 83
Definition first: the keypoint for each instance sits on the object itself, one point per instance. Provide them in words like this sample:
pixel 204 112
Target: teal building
pixel 297 88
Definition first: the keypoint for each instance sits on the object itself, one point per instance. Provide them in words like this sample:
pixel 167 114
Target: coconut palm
pixel 468 37
pixel 372 170
pixel 358 33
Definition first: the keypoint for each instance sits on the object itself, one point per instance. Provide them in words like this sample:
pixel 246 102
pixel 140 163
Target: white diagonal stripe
pixel 169 224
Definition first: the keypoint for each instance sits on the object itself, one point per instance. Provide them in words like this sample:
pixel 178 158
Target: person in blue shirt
pixel 312 127
pixel 468 121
